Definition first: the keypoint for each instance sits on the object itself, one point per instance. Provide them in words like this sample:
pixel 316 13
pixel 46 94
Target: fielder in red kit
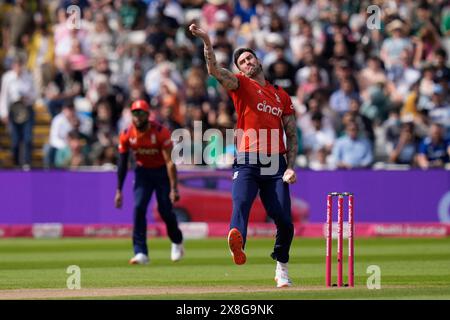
pixel 264 114
pixel 152 147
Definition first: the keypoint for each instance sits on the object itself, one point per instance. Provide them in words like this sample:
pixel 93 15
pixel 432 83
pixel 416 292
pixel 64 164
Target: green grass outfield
pixel 410 269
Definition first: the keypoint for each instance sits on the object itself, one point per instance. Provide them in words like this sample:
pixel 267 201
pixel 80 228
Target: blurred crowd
pixel 371 87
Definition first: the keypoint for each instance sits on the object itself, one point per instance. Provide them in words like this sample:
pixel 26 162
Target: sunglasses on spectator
pixel 138 113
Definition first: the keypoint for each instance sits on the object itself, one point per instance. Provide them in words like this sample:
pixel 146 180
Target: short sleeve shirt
pixel 259 111
pixel 147 146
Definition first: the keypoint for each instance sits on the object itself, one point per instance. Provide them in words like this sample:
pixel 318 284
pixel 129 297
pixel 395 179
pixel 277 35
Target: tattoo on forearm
pixel 227 79
pixel 210 58
pixel 224 76
pixel 290 129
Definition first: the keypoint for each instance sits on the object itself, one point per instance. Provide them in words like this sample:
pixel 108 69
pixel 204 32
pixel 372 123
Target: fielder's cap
pixel 140 105
pixel 237 53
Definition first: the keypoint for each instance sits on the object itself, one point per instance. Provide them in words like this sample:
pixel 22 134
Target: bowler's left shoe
pixel 282 275
pixel 139 258
pixel 177 252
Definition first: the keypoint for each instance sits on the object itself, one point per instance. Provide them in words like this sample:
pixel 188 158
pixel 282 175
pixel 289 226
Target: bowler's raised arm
pixel 224 76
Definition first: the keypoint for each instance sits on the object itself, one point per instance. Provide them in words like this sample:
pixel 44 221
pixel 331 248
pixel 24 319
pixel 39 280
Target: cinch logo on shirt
pixel 264 107
pixel 147 151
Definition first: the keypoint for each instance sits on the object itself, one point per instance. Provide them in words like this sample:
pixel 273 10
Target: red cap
pixel 140 105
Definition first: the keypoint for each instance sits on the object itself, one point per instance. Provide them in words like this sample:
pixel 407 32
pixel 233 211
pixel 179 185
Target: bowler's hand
pixel 289 176
pixel 174 196
pixel 118 199
pixel 198 32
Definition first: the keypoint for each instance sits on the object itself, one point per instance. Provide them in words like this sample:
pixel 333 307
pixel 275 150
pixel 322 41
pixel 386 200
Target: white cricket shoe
pixel 282 276
pixel 177 252
pixel 139 258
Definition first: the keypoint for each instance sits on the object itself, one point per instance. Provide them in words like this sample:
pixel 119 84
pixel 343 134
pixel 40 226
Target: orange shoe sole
pixel 235 242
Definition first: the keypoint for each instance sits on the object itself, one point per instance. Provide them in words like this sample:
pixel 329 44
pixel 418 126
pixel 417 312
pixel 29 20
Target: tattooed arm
pixel 225 77
pixel 290 129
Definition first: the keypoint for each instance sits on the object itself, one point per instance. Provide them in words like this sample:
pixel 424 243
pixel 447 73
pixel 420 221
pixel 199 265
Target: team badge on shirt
pixel 278 98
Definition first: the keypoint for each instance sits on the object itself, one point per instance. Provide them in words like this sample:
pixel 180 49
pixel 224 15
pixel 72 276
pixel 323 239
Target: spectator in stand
pixel 391 128
pixel 301 34
pixel 340 99
pixel 245 10
pixel 161 72
pixel 65 37
pixel 426 86
pixel 132 14
pixel 281 72
pixel 66 84
pixel 426 44
pixel 376 108
pixel 107 92
pixel 267 8
pixel 402 77
pixel 210 8
pixel 100 70
pixel 313 82
pixel 352 151
pixel 364 123
pixel 434 150
pixel 371 75
pixel 321 140
pixel 102 38
pixel 440 109
pixel 41 54
pixel 74 154
pixel 17 27
pixel 169 98
pixel 306 9
pixel 61 125
pixel 78 60
pixel 440 63
pixel 393 46
pixel 341 69
pixel 405 148
pixel 17 98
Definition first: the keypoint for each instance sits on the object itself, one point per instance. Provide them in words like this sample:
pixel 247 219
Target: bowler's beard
pixel 253 72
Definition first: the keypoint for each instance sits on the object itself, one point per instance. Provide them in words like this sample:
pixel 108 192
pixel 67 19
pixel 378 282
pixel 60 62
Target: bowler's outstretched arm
pixel 224 76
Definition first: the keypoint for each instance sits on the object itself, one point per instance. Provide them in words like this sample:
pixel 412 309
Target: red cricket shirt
pixel 260 107
pixel 147 145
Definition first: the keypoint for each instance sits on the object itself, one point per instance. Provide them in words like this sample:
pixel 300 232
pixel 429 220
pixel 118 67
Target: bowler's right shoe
pixel 139 258
pixel 236 242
